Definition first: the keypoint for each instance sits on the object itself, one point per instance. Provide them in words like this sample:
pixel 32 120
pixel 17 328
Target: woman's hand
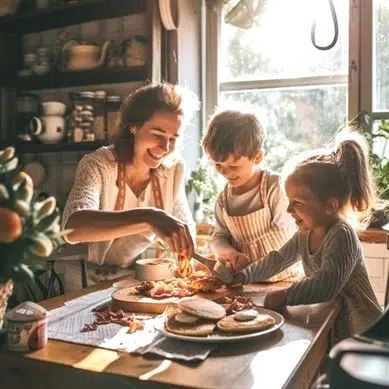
pixel 275 299
pixel 171 230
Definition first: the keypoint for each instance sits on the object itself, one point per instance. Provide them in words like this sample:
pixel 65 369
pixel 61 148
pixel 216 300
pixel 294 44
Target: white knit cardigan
pixel 95 188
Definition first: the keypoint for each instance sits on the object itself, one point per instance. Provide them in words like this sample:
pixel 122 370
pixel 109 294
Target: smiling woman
pixel 127 194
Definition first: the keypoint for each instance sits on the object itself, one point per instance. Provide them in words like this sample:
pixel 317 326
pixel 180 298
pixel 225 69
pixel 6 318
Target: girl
pixel 326 190
pixel 251 217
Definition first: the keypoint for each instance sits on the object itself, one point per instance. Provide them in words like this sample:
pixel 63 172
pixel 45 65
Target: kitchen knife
pixel 217 268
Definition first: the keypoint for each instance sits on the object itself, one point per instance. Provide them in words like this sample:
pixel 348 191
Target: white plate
pixel 223 337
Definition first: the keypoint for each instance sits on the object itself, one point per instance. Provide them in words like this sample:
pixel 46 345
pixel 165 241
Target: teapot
pixel 85 56
pixel 135 50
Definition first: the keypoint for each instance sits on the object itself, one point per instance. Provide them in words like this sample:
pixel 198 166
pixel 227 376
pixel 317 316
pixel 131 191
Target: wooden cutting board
pixel 128 301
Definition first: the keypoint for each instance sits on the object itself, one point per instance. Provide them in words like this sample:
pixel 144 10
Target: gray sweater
pixel 336 269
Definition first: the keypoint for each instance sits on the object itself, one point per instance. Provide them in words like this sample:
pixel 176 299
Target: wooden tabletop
pixel 286 358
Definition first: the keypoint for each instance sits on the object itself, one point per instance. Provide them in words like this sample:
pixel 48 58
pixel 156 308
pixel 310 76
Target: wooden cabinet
pixel 14 29
pixel 377 263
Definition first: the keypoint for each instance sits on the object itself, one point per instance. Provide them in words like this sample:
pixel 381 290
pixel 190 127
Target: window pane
pixel 294 119
pixel 279 45
pixel 381 55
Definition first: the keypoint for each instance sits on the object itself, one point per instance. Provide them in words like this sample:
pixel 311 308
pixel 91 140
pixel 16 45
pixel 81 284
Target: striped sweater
pixel 336 269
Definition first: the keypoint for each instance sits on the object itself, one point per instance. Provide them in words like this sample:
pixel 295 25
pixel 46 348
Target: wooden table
pixel 286 358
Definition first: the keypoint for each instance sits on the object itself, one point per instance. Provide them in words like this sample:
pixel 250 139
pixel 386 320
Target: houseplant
pixel 379 162
pixel 202 183
pixel 29 229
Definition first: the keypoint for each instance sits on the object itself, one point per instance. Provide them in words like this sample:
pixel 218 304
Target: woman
pixel 128 193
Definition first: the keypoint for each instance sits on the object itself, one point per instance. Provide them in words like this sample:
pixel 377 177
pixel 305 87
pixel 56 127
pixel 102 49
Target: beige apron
pixel 255 234
pixel 97 273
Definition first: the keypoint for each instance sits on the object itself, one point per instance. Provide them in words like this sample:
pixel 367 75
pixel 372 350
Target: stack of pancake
pixel 200 317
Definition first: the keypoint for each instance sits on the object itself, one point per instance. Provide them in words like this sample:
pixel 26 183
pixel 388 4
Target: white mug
pixel 48 129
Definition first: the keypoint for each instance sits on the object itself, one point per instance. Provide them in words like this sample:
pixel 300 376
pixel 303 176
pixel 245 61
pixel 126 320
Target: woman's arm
pixel 97 226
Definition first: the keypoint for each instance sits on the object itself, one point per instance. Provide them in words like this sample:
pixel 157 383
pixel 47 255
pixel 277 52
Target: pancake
pixel 206 309
pixel 260 323
pixel 200 328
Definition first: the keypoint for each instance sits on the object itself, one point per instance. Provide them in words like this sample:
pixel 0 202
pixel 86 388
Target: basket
pixel 5 291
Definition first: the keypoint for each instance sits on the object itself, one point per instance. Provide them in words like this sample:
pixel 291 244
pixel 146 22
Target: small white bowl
pixel 154 269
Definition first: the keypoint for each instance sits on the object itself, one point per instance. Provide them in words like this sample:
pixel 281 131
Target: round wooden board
pixel 129 300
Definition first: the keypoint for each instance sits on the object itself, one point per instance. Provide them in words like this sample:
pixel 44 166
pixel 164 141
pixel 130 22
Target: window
pixel 380 58
pixel 301 94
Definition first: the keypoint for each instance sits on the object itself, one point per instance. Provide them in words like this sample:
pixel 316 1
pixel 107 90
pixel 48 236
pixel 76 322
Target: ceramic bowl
pixel 154 269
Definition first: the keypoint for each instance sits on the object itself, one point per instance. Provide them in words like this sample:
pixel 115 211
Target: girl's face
pixel 307 210
pixel 156 139
pixel 238 170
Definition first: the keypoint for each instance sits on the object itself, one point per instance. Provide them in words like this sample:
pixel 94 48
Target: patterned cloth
pixel 336 269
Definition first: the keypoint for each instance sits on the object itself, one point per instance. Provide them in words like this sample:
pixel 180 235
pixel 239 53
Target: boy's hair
pixel 141 105
pixel 233 132
pixel 342 172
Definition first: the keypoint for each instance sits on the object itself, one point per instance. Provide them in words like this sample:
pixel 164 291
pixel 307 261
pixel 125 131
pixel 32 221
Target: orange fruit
pixel 10 225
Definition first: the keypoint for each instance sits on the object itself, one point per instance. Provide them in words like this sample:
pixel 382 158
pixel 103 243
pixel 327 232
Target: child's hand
pixel 237 279
pixel 240 261
pixel 275 299
pixel 235 260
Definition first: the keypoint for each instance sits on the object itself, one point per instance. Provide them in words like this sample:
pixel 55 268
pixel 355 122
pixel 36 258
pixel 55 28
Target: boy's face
pixel 238 170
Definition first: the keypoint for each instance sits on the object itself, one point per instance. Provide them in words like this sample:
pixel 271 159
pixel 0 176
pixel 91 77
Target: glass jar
pixel 113 107
pixel 82 117
pixel 99 124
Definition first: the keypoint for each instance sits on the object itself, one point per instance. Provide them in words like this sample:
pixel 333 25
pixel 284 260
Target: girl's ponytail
pixel 352 157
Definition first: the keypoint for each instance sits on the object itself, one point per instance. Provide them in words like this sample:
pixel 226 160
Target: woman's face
pixel 156 138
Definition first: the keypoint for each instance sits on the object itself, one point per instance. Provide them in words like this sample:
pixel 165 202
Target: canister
pixel 26 327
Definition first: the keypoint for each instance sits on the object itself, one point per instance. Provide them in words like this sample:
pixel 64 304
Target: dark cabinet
pixel 14 27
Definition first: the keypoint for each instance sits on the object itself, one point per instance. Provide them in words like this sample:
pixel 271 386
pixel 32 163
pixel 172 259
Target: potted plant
pixel 379 162
pixel 202 183
pixel 29 229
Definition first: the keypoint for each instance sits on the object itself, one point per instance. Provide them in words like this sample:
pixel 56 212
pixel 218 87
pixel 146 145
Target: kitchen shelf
pixel 69 14
pixel 35 148
pixel 63 79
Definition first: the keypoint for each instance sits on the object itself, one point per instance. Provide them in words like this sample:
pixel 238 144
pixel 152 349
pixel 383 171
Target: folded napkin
pixel 177 349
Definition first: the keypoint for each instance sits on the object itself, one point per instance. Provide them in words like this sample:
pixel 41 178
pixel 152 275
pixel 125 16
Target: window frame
pixel 359 77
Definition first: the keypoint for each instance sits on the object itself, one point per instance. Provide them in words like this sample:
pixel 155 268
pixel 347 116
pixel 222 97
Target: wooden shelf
pixel 35 148
pixel 374 235
pixel 69 14
pixel 65 79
